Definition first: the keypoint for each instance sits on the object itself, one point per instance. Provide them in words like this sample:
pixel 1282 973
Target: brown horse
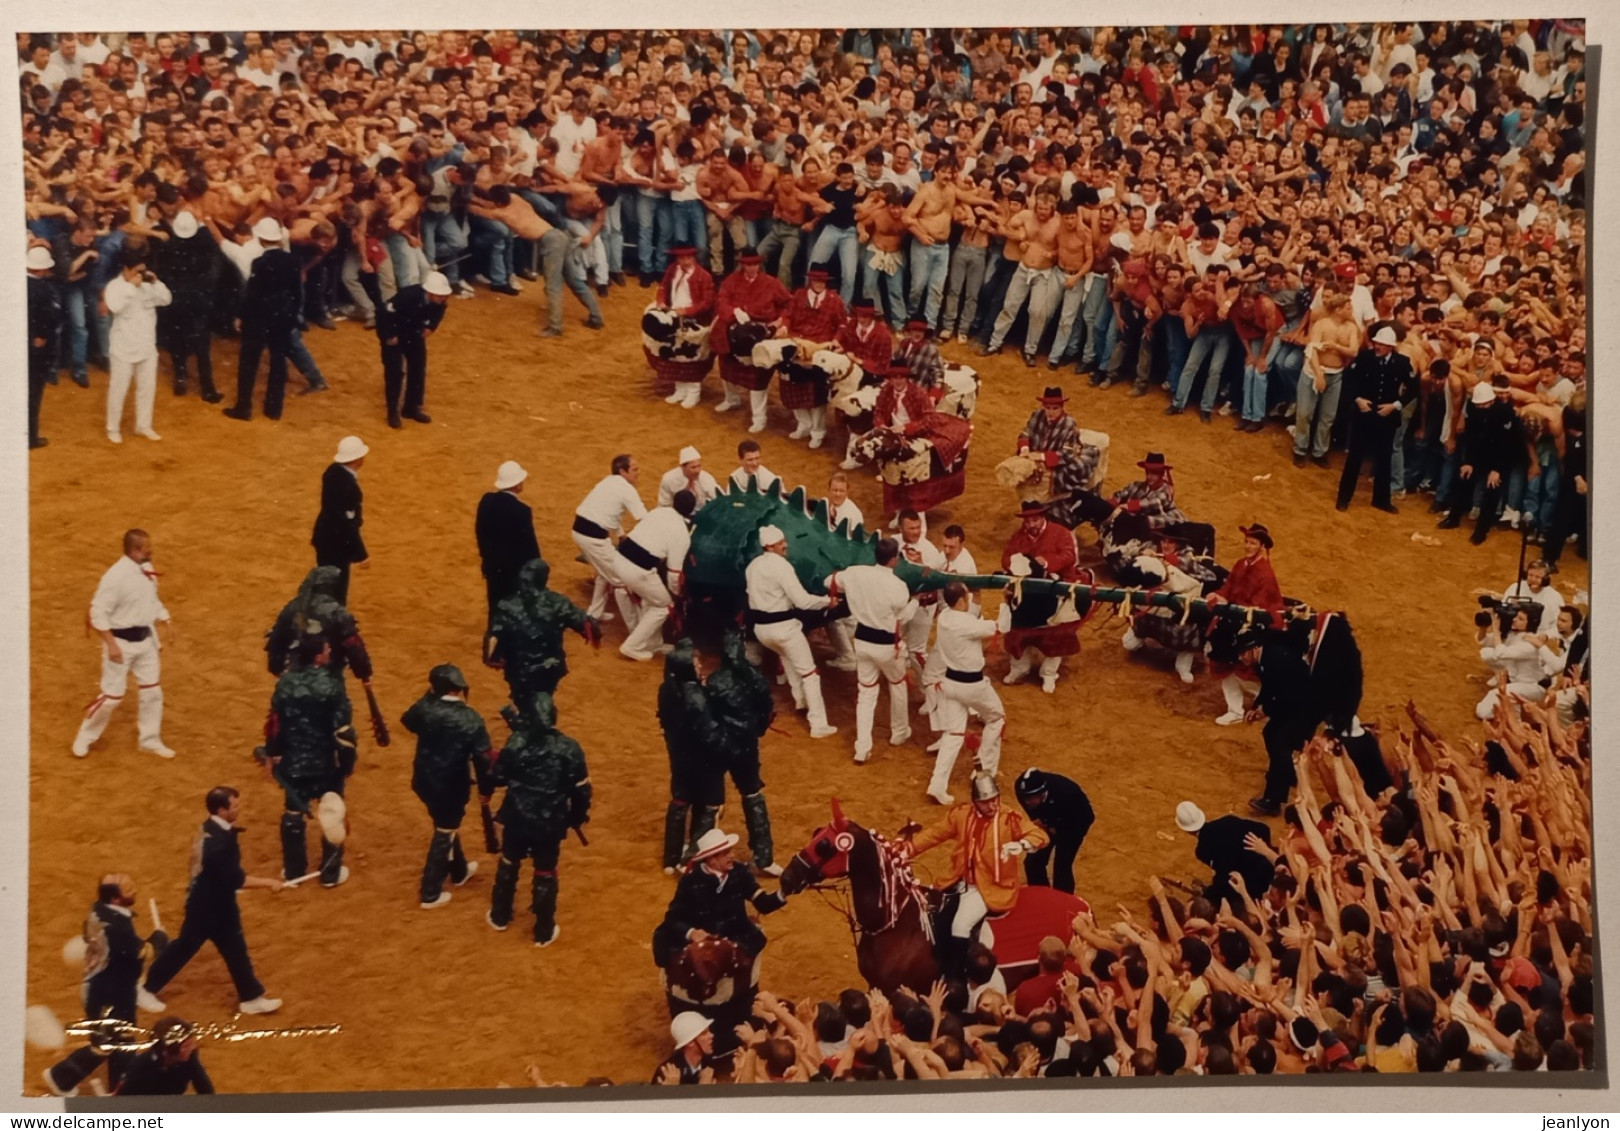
pixel 891 912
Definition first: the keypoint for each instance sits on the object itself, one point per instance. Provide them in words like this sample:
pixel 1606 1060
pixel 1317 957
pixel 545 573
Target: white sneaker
pixel 484 279
pixel 472 870
pixel 157 748
pixel 444 898
pixel 799 433
pixel 556 929
pixel 1009 679
pixel 115 437
pixel 515 283
pixel 260 1004
pixel 900 738
pixel 148 1001
pixel 343 878
pixel 816 441
pixel 757 427
pixel 147 434
pixel 861 757
pixel 676 397
pixel 772 870
pixel 823 732
pixel 631 654
pixel 1231 718
pixel 850 464
pixel 489 917
pixel 727 406
pixel 55 1088
pixel 81 750
pixel 1049 684
pixel 942 797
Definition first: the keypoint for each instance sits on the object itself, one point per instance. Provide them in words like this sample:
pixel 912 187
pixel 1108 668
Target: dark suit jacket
pixel 337 527
pixel 275 293
pixel 506 540
pixel 1220 845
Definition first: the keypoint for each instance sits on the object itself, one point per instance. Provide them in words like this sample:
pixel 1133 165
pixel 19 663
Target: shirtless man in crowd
pixel 1035 229
pixel 1334 341
pixel 928 219
pixel 1075 255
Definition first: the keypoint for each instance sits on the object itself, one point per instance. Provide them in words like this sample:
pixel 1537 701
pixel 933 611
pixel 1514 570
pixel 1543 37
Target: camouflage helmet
pixel 542 710
pixel 535 574
pixel 446 678
pixel 681 662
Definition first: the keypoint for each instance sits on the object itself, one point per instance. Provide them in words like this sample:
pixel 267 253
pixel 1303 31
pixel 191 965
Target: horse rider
pixel 983 869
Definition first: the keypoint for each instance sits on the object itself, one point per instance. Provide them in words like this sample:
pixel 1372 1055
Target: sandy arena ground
pixel 437 1000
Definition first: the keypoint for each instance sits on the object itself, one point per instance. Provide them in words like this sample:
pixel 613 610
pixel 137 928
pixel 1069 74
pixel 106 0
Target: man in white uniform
pixel 919 551
pixel 879 603
pixel 751 463
pixel 650 563
pixel 688 476
pixel 961 644
pixel 125 612
pixel 133 297
pixel 958 561
pixel 840 507
pixel 596 521
pixel 774 597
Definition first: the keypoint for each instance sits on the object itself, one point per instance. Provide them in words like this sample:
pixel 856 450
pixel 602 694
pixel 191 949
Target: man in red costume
pixel 901 403
pixel 1040 548
pixel 866 339
pixel 814 314
pixel 687 289
pixel 1251 583
pixel 759 298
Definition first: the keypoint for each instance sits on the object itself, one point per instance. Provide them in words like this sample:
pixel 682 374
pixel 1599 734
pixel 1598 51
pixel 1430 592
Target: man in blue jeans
pixel 445 223
pixel 837 234
pixel 1334 341
pixel 1205 315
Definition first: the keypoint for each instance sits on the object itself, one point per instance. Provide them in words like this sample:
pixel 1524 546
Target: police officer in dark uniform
pixel 1291 712
pixel 115 954
pixel 1378 383
pixel 336 536
pixel 505 532
pixel 310 746
pixel 44 334
pixel 404 324
pixel 211 911
pixel 1062 808
pixel 526 636
pixel 697 769
pixel 741 701
pixel 1492 441
pixel 189 263
pixel 548 792
pixel 318 600
pixel 449 736
pixel 271 308
pixel 170 1067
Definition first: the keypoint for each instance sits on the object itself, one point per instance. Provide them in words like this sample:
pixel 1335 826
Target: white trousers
pixel 141 659
pixel 915 635
pixel 144 374
pixel 954 702
pixel 876 664
pixel 655 602
pixel 1530 692
pixel 604 558
pixel 970 912
pixel 787 640
pixel 813 421
pixel 759 401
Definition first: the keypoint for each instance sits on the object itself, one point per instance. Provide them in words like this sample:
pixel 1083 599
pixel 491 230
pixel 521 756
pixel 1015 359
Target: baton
pixel 580 833
pixel 299 880
pixel 157 923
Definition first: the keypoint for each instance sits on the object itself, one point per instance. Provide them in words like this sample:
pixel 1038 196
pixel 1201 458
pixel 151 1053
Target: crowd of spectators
pixel 1230 182
pixel 1443 924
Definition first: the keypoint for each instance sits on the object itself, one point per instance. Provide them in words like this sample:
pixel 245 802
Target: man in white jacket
pixel 133 298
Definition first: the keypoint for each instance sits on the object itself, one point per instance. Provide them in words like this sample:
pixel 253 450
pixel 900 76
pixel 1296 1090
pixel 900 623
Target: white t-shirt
pixel 572 138
pixel 607 502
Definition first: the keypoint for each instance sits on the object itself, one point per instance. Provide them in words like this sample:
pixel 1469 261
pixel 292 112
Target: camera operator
pixel 1536 587
pixel 1504 634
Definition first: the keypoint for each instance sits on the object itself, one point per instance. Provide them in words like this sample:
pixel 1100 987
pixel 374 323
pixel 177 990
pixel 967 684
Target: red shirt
pixel 1053 543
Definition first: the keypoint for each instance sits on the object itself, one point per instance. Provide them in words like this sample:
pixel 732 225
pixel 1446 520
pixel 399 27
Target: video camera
pixel 1503 613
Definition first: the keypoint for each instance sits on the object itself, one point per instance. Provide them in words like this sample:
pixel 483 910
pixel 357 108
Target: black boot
pixel 758 819
pixel 956 954
pixel 704 818
pixel 294 853
pixel 544 890
pixel 331 864
pixel 503 892
pixel 675 841
pixel 436 868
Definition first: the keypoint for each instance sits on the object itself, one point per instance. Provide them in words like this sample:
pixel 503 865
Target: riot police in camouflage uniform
pixel 449 736
pixel 697 771
pixel 526 635
pixel 317 600
pixel 310 742
pixel 548 791
pixel 740 698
